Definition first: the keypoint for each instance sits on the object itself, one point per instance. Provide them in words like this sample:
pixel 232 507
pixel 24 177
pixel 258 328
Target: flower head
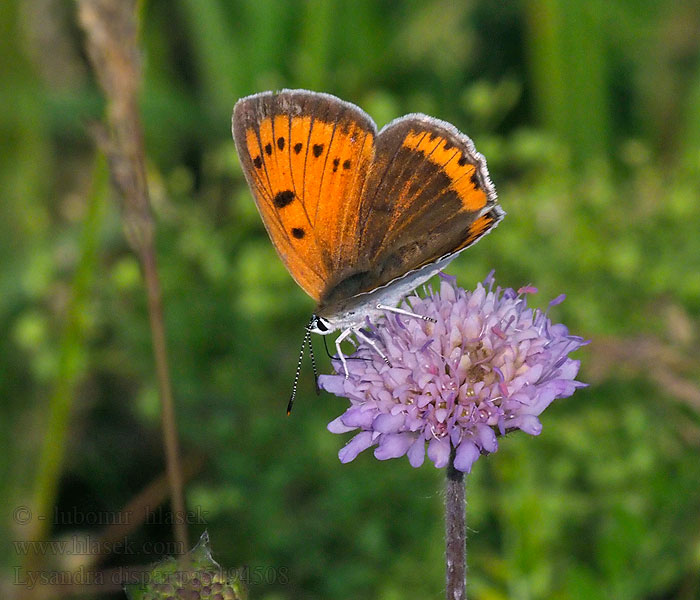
pixel 486 366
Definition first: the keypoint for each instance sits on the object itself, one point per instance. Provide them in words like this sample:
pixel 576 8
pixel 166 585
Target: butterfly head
pixel 320 325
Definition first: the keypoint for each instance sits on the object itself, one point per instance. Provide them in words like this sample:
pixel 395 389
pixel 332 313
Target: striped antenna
pixel 313 364
pixel 307 339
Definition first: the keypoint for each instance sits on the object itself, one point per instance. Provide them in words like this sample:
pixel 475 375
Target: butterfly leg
pixel 401 311
pixel 338 341
pixel 372 343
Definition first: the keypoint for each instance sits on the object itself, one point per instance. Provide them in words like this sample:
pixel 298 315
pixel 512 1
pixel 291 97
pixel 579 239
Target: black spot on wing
pixel 475 181
pixel 257 161
pixel 268 149
pixel 297 147
pixel 346 164
pixel 280 143
pixel 336 162
pixel 318 150
pixel 283 198
pixel 298 232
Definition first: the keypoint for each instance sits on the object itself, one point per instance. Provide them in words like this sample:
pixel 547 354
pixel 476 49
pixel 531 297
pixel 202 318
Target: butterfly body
pixel 352 311
pixel 360 217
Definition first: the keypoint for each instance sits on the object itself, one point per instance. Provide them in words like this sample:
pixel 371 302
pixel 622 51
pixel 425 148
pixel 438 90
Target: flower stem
pixel 455 533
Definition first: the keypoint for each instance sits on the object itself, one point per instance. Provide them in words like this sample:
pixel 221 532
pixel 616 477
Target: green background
pixel 589 115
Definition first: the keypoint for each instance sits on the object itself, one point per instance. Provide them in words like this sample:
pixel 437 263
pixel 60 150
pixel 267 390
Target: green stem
pixel 70 358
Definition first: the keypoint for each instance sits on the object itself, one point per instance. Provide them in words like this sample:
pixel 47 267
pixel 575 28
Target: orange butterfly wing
pixel 436 184
pixel 306 157
pixel 428 196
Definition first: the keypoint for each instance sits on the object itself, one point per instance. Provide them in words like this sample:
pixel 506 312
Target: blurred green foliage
pixel 589 115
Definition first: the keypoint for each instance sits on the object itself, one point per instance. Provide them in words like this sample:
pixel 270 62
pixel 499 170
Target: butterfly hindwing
pixel 306 158
pixel 428 196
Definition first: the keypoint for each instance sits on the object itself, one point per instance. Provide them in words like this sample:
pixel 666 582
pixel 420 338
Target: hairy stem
pixel 455 533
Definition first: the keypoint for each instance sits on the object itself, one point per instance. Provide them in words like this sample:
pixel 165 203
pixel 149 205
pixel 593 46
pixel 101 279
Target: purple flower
pixel 488 365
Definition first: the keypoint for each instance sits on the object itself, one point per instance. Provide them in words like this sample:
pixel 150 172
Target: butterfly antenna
pixel 313 365
pixel 296 375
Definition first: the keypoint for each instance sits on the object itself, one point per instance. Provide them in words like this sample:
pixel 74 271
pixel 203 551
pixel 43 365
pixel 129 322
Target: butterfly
pixel 360 218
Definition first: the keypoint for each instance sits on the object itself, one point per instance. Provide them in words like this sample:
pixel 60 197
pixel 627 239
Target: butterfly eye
pixel 320 326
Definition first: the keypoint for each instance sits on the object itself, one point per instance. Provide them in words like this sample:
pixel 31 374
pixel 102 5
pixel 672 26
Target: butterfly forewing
pixel 342 152
pixel 306 158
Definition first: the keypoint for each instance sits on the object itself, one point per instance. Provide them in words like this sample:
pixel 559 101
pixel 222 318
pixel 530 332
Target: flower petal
pixel 360 442
pixel 439 452
pixel 388 423
pixel 393 445
pixel 530 424
pixel 487 438
pixel 416 453
pixel 337 426
pixel 335 384
pixel 466 456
